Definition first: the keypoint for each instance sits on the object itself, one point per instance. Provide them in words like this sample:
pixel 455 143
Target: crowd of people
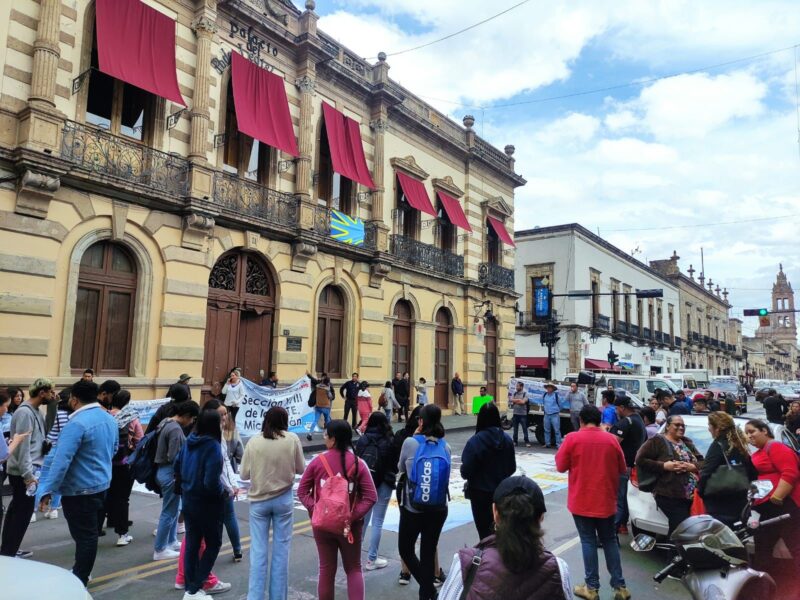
pixel 80 450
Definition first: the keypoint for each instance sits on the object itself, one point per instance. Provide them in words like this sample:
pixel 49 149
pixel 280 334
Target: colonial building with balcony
pixel 704 320
pixel 645 333
pixel 192 186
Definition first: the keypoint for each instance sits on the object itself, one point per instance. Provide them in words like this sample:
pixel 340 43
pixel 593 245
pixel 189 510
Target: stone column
pixel 205 28
pixel 379 126
pixel 46 53
pixel 303 183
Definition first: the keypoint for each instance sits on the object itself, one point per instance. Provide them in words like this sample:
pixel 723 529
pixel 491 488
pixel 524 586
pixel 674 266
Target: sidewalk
pixel 450 422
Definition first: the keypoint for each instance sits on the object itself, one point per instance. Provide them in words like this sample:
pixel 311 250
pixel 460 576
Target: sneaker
pixel 101 533
pixel 197 594
pixel 378 563
pixel 218 588
pixel 181 527
pixel 176 546
pixel 155 532
pixel 180 586
pixel 33 518
pixel 237 556
pixel 165 554
pixel 584 591
pixel 124 539
pixel 621 593
pixel 53 514
pixel 438 580
pixel 24 553
pixel 404 579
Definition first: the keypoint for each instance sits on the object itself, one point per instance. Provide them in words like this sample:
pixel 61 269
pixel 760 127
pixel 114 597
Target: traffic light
pixel 756 312
pixel 612 357
pixel 553 331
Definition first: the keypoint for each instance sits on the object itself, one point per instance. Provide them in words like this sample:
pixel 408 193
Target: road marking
pixel 97 580
pixel 170 567
pixel 566 545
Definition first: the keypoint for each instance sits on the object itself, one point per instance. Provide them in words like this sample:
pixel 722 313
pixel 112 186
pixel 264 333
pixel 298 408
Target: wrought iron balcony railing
pixel 427 256
pixel 695 337
pixel 621 327
pixel 98 151
pixel 602 322
pixel 633 330
pixel 492 274
pixel 678 342
pixel 344 229
pixel 249 198
pixel 646 333
pixel 658 336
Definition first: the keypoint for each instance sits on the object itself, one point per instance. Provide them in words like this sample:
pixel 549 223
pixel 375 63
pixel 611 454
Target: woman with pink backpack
pixel 338 491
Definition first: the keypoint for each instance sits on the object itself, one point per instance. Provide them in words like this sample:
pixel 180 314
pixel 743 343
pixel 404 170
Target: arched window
pixel 402 348
pixel 119 107
pixel 333 190
pixel 330 332
pixel 106 296
pixel 242 155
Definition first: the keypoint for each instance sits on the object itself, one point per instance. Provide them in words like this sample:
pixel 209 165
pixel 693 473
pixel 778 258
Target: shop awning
pixel 136 44
pixel 453 209
pixel 344 141
pixel 599 365
pixel 416 194
pixel 501 231
pixel 535 362
pixel 262 110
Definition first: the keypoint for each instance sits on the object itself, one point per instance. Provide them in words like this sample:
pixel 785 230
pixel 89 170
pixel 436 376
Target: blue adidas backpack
pixel 430 475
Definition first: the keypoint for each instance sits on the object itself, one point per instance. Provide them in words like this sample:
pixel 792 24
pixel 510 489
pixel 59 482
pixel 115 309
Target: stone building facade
pixel 778 340
pixel 708 343
pixel 147 237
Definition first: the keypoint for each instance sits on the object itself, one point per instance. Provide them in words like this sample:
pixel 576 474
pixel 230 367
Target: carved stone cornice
pixel 379 126
pixel 498 206
pixel 306 85
pixel 197 230
pixel 410 166
pixel 378 271
pixel 34 192
pixel 302 252
pixel 447 186
pixel 205 25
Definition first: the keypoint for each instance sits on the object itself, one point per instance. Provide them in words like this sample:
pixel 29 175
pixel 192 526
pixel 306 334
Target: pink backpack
pixel 332 510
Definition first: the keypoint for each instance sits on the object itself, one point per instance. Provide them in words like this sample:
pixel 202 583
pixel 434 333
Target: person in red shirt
pixel 595 462
pixel 777 463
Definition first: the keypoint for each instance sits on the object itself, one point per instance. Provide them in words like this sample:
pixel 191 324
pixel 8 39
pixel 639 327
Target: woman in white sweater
pixel 233 390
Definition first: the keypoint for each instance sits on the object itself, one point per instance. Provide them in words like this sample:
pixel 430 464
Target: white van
pixel 684 381
pixel 639 385
pixel 701 376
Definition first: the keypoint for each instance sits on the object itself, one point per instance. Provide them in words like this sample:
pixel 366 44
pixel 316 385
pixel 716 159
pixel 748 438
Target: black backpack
pixel 123 446
pixel 370 453
pixel 142 462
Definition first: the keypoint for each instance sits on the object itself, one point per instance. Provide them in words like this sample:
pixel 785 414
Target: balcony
pixel 647 334
pixel 695 337
pixel 427 257
pixel 601 322
pixel 347 232
pixel 658 336
pixel 706 340
pixel 244 197
pixel 678 342
pixel 621 327
pixel 495 275
pixel 97 151
pixel 633 330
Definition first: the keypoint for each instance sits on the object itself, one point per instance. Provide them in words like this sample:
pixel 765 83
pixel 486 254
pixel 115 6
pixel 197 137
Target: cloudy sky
pixel 703 159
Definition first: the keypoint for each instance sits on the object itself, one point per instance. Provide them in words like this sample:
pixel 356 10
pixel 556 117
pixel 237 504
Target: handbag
pixel 728 479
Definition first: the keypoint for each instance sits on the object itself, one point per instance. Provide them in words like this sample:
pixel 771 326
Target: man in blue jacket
pixel 552 418
pixel 349 391
pixel 81 472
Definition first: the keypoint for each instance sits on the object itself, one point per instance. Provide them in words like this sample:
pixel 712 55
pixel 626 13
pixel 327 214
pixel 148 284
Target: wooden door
pixel 441 391
pixel 222 331
pixel 402 349
pixel 491 357
pixel 255 341
pixel 330 325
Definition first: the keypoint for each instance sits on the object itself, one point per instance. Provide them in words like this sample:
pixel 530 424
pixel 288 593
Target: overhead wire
pixel 711 224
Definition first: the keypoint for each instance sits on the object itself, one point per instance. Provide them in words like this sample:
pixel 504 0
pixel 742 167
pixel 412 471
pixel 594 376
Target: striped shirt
pixel 62 418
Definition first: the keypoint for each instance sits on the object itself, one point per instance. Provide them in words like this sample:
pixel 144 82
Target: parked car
pixel 33 579
pixel 762 393
pixel 685 381
pixel 722 388
pixel 644 514
pixel 789 393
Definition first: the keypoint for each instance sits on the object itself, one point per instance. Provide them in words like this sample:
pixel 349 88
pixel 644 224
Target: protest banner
pixel 147 408
pixel 259 399
pixel 535 390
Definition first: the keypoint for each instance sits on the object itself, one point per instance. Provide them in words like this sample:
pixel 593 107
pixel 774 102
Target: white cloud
pixel 634 151
pixel 575 128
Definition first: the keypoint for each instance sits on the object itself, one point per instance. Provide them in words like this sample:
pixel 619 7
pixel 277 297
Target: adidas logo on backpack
pixel 429 479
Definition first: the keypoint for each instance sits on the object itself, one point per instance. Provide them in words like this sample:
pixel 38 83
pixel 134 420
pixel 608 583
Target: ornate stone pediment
pixel 447 186
pixel 498 206
pixel 410 166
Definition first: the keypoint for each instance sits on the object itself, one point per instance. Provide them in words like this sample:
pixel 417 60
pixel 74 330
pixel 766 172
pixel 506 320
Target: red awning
pixel 262 110
pixel 453 209
pixel 416 194
pixel 501 231
pixel 136 44
pixel 535 362
pixel 599 365
pixel 344 141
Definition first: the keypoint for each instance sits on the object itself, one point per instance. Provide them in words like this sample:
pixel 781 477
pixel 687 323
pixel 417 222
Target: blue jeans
pixel 590 529
pixel 232 526
pixel 276 513
pixel 552 423
pixel 375 518
pixel 325 413
pixel 622 500
pixel 518 420
pixel 55 499
pixel 388 410
pixel 167 533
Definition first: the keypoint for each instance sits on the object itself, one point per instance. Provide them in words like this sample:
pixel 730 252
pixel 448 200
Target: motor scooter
pixel 711 559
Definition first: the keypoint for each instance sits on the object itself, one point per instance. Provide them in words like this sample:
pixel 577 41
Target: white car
pixel 28 579
pixel 644 514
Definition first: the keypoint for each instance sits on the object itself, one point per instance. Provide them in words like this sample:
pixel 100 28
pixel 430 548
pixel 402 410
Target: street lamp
pixel 593 337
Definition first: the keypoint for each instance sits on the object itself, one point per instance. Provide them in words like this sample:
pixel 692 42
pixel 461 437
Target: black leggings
pixel 429 525
pixel 350 406
pixel 676 509
pixel 481 503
